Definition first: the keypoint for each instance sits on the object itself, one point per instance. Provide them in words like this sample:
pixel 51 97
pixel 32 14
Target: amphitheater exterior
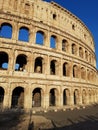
pixel 47 57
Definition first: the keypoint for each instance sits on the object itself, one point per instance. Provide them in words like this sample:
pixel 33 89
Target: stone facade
pixel 52 64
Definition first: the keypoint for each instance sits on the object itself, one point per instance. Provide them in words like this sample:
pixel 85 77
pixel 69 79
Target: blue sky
pixel 87 11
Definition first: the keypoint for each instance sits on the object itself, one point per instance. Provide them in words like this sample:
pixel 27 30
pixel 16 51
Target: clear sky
pixel 87 11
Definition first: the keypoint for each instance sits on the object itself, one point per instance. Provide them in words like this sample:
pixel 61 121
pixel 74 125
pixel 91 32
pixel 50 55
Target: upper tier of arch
pixel 51 15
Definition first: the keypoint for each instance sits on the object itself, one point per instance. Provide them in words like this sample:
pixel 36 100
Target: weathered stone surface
pixel 63 75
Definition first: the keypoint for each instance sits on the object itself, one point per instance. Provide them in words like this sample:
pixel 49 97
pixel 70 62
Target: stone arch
pixel 74 49
pixel 89 58
pixel 76 97
pixel 53 67
pixel 64 45
pixel 21 62
pixel 83 73
pixel 53 97
pixel 92 76
pixel 84 95
pixel 37 97
pixel 38 67
pixel 1 97
pixel 53 41
pixel 66 70
pixel 81 52
pixel 4 60
pixel 88 74
pixel 86 55
pixel 75 71
pixel 23 34
pixel 6 34
pixel 90 96
pixel 66 97
pixel 18 97
pixel 40 37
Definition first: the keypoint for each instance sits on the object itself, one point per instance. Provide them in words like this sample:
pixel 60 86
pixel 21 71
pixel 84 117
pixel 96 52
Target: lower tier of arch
pixel 31 94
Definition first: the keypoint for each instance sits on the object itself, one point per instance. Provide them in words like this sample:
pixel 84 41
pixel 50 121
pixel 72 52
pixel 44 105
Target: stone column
pixel 71 98
pixel 59 44
pixel 30 11
pixel 48 66
pixel 11 4
pixel 58 67
pixel 11 64
pixel 88 100
pixel 5 4
pixel 15 31
pixel 80 98
pixel 1 3
pixel 27 67
pixel 61 98
pixel 47 40
pixel 7 98
pixel 46 100
pixel 31 63
pixel 58 97
pixel 79 72
pixel 27 97
pixel 61 67
pixel 69 47
pixel 32 35
pixel 71 69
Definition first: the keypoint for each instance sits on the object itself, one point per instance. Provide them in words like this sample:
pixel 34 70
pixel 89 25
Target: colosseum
pixel 47 57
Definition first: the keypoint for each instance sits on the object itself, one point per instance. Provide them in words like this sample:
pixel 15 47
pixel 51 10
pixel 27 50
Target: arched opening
pixel 21 62
pixel 66 70
pixel 94 96
pixel 6 30
pixel 64 45
pixel 89 58
pixel 83 73
pixel 86 55
pixel 18 98
pixel 53 41
pixel 76 97
pixel 3 61
pixel 83 96
pixel 73 26
pixel 40 37
pixel 81 52
pixel 66 97
pixel 38 68
pixel 54 16
pixel 90 96
pixel 74 49
pixel 27 7
pixel 88 74
pixel 53 97
pixel 75 71
pixel 37 97
pixel 23 34
pixel 53 67
pixel 1 97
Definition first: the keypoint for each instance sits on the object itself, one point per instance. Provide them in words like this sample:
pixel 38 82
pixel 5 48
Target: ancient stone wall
pixel 52 64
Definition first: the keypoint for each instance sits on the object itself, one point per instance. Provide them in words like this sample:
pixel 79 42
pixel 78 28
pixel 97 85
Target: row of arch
pixel 69 97
pixel 24 35
pixel 28 9
pixel 21 64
